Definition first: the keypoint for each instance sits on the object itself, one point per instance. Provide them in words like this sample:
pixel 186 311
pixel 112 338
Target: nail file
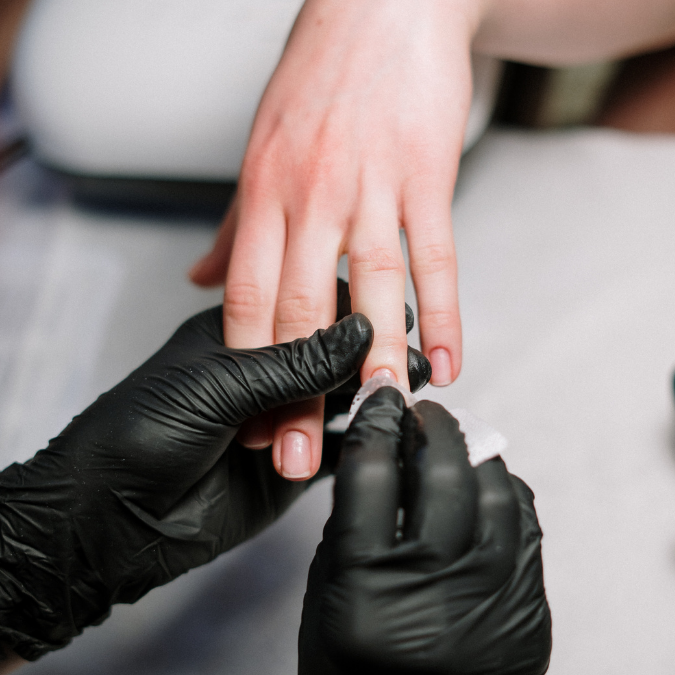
pixel 482 441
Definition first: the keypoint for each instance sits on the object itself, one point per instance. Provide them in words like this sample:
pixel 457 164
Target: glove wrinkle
pixel 148 482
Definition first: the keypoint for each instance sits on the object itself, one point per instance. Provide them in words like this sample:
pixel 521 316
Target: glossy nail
pixel 295 455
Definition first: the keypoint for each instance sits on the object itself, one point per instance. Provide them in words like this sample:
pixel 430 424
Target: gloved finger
pixel 529 523
pixel 440 486
pixel 498 521
pixel 367 483
pixel 419 369
pixel 265 378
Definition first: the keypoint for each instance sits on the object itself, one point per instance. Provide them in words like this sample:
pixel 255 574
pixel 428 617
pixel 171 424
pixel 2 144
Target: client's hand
pixel 294 465
pixel 359 132
pixel 427 565
pixel 148 482
pixel 256 432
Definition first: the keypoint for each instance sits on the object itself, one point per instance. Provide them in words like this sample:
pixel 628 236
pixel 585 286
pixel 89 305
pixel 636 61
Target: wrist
pixel 453 16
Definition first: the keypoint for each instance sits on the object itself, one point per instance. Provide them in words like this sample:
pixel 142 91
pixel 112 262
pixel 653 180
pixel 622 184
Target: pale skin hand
pixel 360 132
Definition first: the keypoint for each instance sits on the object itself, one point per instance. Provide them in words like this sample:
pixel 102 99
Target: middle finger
pixel 377 283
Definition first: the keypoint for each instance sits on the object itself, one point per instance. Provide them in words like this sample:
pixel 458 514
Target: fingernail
pixel 384 372
pixel 441 367
pixel 295 455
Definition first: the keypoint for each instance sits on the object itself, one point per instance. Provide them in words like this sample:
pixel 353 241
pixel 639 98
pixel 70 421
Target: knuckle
pixel 243 302
pixel 433 259
pixel 441 319
pixel 378 260
pixel 298 311
pixel 389 342
pixel 256 184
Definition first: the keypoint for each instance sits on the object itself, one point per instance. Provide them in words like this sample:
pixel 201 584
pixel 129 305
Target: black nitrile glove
pixel 427 565
pixel 148 483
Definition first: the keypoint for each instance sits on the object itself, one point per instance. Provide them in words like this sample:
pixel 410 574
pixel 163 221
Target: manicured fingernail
pixel 384 372
pixel 295 455
pixel 441 368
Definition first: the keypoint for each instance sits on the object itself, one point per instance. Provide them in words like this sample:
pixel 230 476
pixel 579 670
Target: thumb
pixel 295 371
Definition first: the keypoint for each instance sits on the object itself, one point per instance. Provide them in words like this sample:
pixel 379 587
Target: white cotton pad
pixel 370 387
pixel 482 441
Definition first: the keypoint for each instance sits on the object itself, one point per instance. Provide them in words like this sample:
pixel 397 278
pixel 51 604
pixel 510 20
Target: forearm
pixel 565 32
pixel 11 14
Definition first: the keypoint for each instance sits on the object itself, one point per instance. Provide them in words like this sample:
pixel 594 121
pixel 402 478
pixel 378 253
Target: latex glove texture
pixel 148 483
pixel 427 565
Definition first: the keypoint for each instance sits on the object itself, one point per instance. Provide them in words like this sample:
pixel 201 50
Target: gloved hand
pixel 139 488
pixel 427 565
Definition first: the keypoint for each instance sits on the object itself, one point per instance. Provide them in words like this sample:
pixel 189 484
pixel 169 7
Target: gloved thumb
pixel 273 376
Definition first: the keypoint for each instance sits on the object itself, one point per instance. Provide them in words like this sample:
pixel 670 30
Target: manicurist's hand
pixel 427 565
pixel 148 482
pixel 359 133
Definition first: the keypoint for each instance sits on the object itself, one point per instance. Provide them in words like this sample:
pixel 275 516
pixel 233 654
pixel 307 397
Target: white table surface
pixel 566 245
